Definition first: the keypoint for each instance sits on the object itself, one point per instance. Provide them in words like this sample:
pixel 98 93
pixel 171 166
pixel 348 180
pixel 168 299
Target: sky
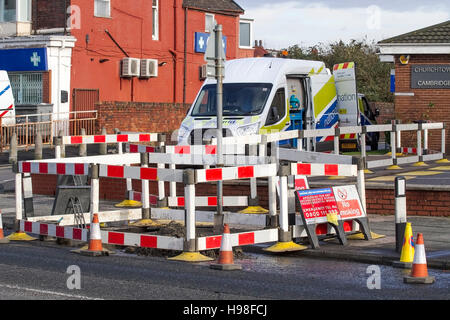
pixel 283 23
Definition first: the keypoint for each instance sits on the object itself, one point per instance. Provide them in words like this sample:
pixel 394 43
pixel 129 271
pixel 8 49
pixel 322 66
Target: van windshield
pixel 239 99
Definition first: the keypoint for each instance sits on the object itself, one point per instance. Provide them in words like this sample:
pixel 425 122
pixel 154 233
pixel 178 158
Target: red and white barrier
pixel 320 169
pixel 107 237
pixel 140 173
pixel 141 240
pixel 53 230
pixel 137 196
pixel 232 173
pixel 110 138
pixel 54 168
pixel 408 150
pixel 239 239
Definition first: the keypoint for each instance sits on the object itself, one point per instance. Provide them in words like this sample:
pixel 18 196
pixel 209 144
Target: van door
pixel 347 104
pixel 324 112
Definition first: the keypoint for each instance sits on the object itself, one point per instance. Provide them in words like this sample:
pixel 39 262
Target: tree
pixel 373 76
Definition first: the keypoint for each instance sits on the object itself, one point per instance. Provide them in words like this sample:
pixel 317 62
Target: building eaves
pixel 219 6
pixel 435 34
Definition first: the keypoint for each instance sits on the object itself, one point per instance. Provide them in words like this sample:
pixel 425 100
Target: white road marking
pixel 49 292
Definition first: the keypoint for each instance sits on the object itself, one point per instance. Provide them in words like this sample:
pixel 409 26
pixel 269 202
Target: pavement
pixel 436 230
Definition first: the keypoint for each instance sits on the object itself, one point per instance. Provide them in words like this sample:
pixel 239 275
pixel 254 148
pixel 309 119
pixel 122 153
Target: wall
pixel 131 26
pixel 146 116
pixel 426 104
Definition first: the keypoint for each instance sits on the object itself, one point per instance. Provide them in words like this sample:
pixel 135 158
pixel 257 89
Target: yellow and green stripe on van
pixel 324 97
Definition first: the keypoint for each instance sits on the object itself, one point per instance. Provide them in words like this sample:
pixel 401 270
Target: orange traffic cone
pixel 95 247
pixel 419 272
pixel 226 261
pixel 2 236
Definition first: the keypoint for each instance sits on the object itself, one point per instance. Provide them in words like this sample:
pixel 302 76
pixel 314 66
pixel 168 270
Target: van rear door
pixel 7 112
pixel 347 98
pixel 324 112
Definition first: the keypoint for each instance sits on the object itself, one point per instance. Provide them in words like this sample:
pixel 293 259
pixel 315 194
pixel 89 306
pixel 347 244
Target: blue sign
pixel 29 59
pixel 393 80
pixel 201 39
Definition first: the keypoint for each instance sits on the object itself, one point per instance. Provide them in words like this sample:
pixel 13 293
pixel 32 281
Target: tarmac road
pixel 37 270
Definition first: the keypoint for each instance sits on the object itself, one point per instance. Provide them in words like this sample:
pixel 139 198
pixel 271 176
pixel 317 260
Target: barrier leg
pixel 363 223
pixel 19 235
pixel 420 163
pixel 145 198
pixel 162 200
pixel 190 253
pixel 444 160
pixel 253 201
pixel 273 222
pixel 394 165
pixel 285 243
pixel 363 148
pixel 103 148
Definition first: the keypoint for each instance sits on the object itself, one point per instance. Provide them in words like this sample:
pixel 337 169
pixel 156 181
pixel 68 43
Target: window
pixel 102 8
pixel 277 110
pixel 209 22
pixel 27 87
pixel 155 16
pixel 245 33
pixel 15 10
pixel 239 99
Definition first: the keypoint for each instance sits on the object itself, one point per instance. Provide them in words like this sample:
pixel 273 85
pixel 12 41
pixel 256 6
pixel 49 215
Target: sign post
pixel 215 58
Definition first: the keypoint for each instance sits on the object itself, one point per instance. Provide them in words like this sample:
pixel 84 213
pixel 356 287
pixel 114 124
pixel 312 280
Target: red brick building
pixel 94 50
pixel 422 78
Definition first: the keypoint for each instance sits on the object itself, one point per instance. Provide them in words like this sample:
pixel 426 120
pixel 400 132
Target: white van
pixel 7 109
pixel 265 95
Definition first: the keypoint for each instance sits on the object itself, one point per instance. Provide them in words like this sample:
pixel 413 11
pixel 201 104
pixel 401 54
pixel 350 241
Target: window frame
pixel 209 15
pixel 250 23
pixel 155 26
pixel 97 14
pixel 281 117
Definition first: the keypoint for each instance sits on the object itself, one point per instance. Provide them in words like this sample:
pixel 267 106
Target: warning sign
pixel 317 204
pixel 300 182
pixel 348 202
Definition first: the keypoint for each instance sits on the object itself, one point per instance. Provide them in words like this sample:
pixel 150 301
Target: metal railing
pixel 48 125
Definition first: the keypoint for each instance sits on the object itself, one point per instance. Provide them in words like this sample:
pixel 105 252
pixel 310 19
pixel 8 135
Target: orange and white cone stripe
pixel 95 237
pixel 419 268
pixel 226 250
pixel 419 271
pixel 226 261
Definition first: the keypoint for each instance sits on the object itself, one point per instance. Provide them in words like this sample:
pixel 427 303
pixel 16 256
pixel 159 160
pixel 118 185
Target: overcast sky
pixel 282 23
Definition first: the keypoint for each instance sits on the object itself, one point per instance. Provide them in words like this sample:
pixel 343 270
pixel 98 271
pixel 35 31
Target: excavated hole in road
pixel 178 230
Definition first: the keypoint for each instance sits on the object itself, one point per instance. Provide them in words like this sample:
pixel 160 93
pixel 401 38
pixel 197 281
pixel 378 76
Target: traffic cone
pixel 2 237
pixel 407 255
pixel 226 261
pixel 95 247
pixel 419 272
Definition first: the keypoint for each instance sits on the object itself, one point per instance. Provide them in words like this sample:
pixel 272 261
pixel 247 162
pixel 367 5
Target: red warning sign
pixel 316 204
pixel 348 202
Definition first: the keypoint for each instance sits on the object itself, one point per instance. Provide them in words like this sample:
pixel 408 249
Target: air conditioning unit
pixel 149 68
pixel 130 67
pixel 203 71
